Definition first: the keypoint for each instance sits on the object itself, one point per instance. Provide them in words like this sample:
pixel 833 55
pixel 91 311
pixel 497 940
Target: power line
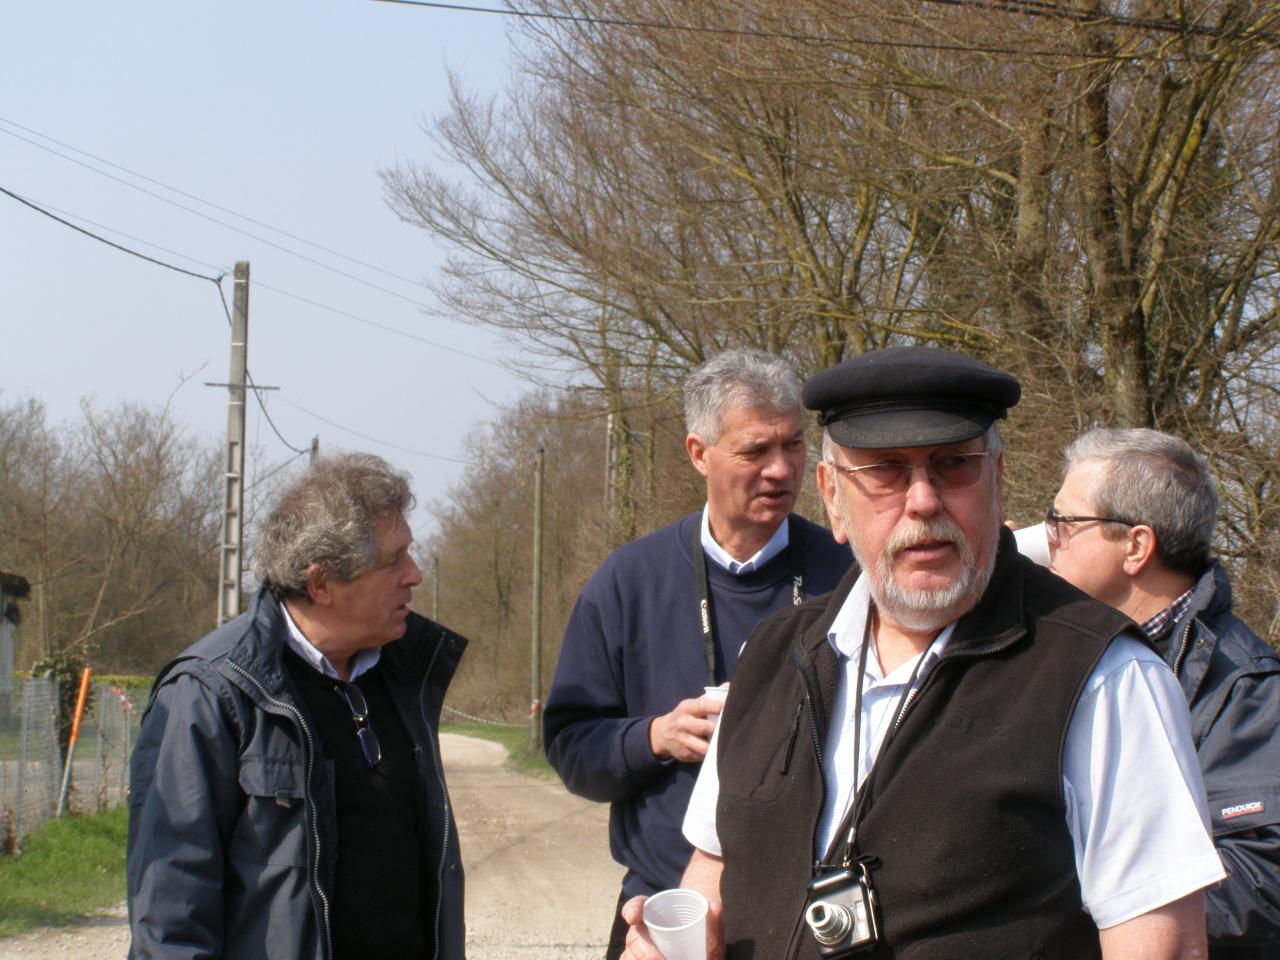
pixel 1033 8
pixel 133 253
pixel 365 436
pixel 222 271
pixel 192 196
pixel 1101 20
pixel 128 236
pixel 271 473
pixel 222 223
pixel 216 281
pixel 375 324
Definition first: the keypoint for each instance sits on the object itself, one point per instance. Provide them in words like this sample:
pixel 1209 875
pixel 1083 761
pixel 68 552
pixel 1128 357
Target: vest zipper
pixel 817 749
pixel 924 680
pixel 796 934
pixel 795 734
pixel 308 800
pixel 444 793
pixel 817 745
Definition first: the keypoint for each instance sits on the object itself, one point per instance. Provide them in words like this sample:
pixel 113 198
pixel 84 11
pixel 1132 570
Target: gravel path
pixel 540 884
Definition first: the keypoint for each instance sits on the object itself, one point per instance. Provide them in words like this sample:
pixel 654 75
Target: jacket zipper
pixel 308 800
pixel 1183 648
pixel 444 793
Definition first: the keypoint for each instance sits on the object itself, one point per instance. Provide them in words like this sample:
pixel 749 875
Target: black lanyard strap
pixel 855 808
pixel 706 619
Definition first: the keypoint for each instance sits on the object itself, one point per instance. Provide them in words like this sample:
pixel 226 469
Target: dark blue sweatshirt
pixel 632 650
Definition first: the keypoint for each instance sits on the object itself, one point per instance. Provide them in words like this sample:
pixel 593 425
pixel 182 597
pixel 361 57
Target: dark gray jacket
pixel 232 821
pixel 1232 683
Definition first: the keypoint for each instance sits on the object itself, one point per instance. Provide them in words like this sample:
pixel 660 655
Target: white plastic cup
pixel 717 694
pixel 1033 543
pixel 677 924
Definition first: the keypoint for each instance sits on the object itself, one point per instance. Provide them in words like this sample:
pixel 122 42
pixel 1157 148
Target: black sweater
pixel 382 887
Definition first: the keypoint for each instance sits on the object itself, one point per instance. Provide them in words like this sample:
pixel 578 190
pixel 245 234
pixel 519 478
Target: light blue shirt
pixel 362 662
pixel 777 543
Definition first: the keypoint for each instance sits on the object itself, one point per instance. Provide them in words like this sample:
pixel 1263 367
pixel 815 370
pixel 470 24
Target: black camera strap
pixel 850 822
pixel 795 553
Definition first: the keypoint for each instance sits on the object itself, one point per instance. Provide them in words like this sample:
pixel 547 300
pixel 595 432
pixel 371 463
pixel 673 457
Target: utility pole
pixel 535 709
pixel 315 450
pixel 435 588
pixel 610 466
pixel 229 571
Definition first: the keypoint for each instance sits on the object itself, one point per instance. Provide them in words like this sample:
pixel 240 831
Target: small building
pixel 12 589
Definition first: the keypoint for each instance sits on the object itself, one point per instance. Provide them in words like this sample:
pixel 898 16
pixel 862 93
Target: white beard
pixel 927 609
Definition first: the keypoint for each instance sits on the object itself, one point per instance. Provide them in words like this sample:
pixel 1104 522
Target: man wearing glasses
pixel 286 794
pixel 1132 526
pixel 948 757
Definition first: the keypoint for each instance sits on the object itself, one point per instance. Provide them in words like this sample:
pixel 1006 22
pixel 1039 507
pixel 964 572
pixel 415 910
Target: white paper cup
pixel 1033 543
pixel 677 923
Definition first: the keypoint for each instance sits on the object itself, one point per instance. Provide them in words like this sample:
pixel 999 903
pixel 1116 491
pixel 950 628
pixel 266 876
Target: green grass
pixel 523 757
pixel 68 868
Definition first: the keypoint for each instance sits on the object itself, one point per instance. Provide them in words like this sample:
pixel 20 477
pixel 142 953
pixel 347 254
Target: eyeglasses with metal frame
pixel 949 472
pixel 1052 518
pixel 369 744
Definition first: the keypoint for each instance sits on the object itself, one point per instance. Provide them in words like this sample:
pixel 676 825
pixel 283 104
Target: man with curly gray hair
pixel 287 797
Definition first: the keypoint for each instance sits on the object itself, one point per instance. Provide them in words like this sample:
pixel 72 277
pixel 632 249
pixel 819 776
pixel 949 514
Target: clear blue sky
pixel 281 110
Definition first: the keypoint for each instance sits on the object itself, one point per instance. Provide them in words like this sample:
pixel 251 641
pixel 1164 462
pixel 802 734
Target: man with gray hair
pixel 626 718
pixel 287 799
pixel 1132 525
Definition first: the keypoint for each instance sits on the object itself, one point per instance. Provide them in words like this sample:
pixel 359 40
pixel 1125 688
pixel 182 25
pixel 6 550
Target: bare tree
pixel 115 523
pixel 1085 194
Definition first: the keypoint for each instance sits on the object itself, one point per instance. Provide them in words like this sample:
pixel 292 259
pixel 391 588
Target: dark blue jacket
pixel 1232 683
pixel 232 822
pixel 633 650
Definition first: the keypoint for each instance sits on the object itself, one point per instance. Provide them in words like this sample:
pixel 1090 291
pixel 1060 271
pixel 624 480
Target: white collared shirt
pixel 1136 807
pixel 777 543
pixel 362 662
pixel 881 699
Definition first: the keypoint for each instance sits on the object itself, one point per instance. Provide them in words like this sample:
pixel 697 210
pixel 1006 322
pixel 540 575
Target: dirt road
pixel 540 884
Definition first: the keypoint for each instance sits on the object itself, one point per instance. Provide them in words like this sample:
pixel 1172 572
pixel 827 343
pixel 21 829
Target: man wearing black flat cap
pixel 950 755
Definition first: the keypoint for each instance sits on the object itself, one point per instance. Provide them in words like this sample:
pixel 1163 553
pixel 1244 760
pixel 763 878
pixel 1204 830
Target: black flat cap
pixel 909 397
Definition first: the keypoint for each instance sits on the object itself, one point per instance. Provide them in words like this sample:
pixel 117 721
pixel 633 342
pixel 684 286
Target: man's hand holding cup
pixel 685 733
pixel 685 926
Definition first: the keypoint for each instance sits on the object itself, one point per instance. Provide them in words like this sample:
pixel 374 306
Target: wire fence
pixel 475 719
pixel 32 762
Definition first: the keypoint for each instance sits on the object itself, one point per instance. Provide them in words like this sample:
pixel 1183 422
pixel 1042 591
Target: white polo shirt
pixel 1136 808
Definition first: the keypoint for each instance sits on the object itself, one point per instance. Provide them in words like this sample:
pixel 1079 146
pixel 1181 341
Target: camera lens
pixel 830 922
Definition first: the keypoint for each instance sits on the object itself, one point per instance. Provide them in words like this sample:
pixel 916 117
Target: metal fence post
pixel 98 708
pixel 55 751
pixel 124 764
pixel 24 730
